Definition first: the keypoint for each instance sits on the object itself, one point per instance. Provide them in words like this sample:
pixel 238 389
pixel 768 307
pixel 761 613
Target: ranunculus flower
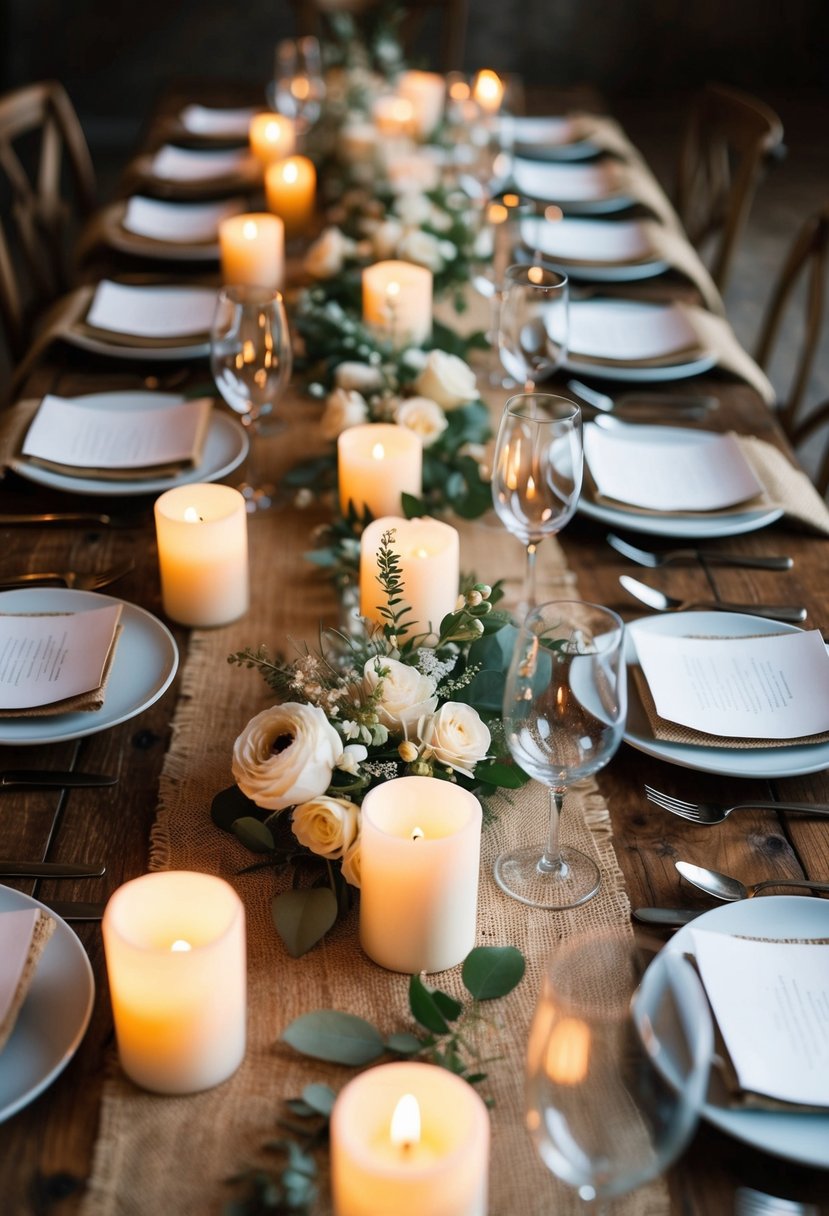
pixel 286 755
pixel 360 376
pixel 327 255
pixel 457 737
pixel 447 380
pixel 424 417
pixel 423 248
pixel 326 826
pixel 406 695
pixel 344 408
pixel 351 864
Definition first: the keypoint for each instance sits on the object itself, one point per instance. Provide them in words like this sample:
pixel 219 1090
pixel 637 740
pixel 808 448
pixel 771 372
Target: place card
pixel 561 184
pixel 583 240
pixel 174 164
pixel 46 658
pixel 75 437
pixel 628 331
pixel 668 469
pixel 152 312
pixel 770 1000
pixel 774 686
pixel 191 223
pixel 232 123
pixel 24 934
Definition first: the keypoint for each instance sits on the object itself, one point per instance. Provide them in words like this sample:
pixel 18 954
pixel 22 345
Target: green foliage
pixel 303 917
pixel 338 1038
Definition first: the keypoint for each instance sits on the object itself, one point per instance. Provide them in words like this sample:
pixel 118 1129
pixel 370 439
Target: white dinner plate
pixel 139 245
pixel 796 760
pixel 225 447
pixel 551 138
pixel 574 193
pixel 794 1135
pixel 146 659
pixel 190 348
pixel 53 1018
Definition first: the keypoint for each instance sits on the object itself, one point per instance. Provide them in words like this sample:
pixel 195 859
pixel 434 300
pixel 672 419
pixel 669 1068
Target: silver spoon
pixel 669 603
pixel 723 886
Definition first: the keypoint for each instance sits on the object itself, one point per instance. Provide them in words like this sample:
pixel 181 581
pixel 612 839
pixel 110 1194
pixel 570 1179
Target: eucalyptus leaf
pixel 505 776
pixel 303 916
pixel 228 806
pixel 404 1043
pixel 492 971
pixel 339 1038
pixel 424 1008
pixel 485 691
pixel 253 834
pixel 448 1006
pixel 319 1097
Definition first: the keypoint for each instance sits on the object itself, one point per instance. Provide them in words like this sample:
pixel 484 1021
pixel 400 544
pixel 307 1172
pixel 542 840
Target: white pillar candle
pixel 291 187
pixel 443 1171
pixel 397 302
pixel 175 956
pixel 420 846
pixel 203 554
pixel 426 92
pixel 488 90
pixel 429 554
pixel 272 137
pixel 253 250
pixel 376 463
pixel 394 116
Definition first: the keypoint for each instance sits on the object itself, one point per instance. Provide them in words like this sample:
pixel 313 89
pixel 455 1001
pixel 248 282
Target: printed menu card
pixel 49 657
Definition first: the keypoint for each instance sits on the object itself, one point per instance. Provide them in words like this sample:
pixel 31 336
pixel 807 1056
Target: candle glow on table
pixel 203 554
pixel 175 956
pixel 272 137
pixel 488 90
pixel 425 92
pixel 394 116
pixel 253 250
pixel 429 554
pixel 377 463
pixel 419 888
pixel 440 1168
pixel 397 302
pixel 291 187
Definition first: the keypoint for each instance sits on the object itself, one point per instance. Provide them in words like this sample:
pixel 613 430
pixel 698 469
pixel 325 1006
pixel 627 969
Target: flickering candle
pixel 203 554
pixel 377 463
pixel 291 186
pixel 253 250
pixel 397 302
pixel 272 137
pixel 420 846
pixel 488 90
pixel 175 955
pixel 425 92
pixel 409 1138
pixel 394 116
pixel 429 553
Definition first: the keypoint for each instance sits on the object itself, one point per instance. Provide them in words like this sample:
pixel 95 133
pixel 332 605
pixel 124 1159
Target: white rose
pixel 413 209
pixel 457 737
pixel 406 694
pixel 326 826
pixel 440 220
pixel 351 864
pixel 385 238
pixel 410 175
pixel 360 376
pixel 447 380
pixel 422 248
pixel 327 255
pixel 344 408
pixel 286 755
pixel 424 417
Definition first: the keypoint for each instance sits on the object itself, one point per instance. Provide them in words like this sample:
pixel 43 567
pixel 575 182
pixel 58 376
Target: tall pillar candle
pixel 376 463
pixel 253 250
pixel 436 1162
pixel 203 554
pixel 425 91
pixel 291 187
pixel 272 137
pixel 429 553
pixel 397 302
pixel 175 956
pixel 420 846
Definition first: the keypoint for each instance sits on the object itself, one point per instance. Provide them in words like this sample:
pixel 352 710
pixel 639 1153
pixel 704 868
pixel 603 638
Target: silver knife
pixel 714 557
pixel 667 916
pixel 70 909
pixel 49 778
pixel 49 869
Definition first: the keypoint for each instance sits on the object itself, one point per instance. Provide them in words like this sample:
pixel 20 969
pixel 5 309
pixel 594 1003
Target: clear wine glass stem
pixel 530 579
pixel 551 860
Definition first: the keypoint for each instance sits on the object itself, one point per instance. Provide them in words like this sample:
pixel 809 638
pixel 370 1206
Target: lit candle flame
pixel 488 90
pixel 405 1122
pixel 378 451
pixel 392 289
pixel 531 490
pixel 191 516
pixel 272 132
pixel 180 946
pixel 249 230
pixel 421 552
pixel 418 834
pixel 290 172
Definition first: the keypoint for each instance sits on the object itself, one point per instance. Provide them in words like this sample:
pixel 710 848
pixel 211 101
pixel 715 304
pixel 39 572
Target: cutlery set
pixel 69 578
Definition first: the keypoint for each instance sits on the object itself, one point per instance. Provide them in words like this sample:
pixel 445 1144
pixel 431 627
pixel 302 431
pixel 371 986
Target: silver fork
pixel 684 557
pixel 713 812
pixel 69 578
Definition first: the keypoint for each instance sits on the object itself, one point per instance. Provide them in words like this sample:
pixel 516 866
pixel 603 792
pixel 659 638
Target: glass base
pixel 523 876
pixel 258 498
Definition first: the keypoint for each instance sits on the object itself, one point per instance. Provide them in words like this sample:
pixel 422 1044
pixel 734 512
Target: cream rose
pixel 286 755
pixel 352 872
pixel 406 694
pixel 447 380
pixel 424 417
pixel 326 826
pixel 360 376
pixel 413 209
pixel 422 248
pixel 385 238
pixel 457 737
pixel 343 408
pixel 327 255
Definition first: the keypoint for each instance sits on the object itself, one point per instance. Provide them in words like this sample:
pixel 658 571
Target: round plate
pixel 642 375
pixel 135 243
pixel 681 529
pixel 551 139
pixel 155 354
pixel 525 179
pixel 146 659
pixel 53 1018
pixel 225 447
pixel 758 762
pixel 796 1136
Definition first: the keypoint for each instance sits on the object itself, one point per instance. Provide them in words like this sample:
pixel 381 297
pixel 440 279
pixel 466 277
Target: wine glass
pixel 533 334
pixel 565 702
pixel 298 88
pixel 537 471
pixel 616 1068
pixel 501 225
pixel 250 358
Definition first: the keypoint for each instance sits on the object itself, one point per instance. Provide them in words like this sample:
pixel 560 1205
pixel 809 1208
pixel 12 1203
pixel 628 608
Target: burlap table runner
pixel 173 1155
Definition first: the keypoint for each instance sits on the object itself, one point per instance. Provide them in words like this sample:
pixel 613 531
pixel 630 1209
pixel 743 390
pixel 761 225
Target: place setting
pixel 175 172
pixel 160 229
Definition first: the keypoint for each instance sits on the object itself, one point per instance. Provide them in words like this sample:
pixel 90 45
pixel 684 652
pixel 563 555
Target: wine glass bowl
pixel 298 86
pixel 533 333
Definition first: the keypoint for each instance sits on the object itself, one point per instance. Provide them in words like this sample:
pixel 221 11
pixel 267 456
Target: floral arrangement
pixel 357 712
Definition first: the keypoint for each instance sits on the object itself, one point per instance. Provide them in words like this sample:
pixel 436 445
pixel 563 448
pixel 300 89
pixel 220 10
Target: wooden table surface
pixel 47 1146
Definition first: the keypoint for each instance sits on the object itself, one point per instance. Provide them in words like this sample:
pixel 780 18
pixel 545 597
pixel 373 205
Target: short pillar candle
pixel 435 1163
pixel 429 553
pixel 253 250
pixel 203 554
pixel 426 91
pixel 175 955
pixel 291 187
pixel 272 137
pixel 376 463
pixel 420 847
pixel 397 302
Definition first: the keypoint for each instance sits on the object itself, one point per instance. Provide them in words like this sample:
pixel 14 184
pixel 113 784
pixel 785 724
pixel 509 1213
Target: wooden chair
pixel 729 139
pixel 47 188
pixel 417 14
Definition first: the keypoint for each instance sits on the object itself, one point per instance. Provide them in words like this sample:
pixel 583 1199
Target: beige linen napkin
pixel 602 131
pixel 673 247
pixel 83 702
pixel 43 928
